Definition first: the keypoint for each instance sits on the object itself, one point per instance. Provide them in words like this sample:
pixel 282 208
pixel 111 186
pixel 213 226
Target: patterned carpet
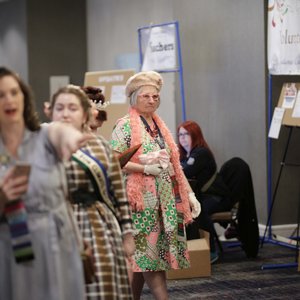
pixel 235 276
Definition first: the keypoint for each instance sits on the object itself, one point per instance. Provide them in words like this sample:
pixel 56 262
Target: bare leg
pixel 157 283
pixel 137 284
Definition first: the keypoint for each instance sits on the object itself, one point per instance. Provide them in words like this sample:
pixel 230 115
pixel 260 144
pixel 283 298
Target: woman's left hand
pixel 128 244
pixel 195 205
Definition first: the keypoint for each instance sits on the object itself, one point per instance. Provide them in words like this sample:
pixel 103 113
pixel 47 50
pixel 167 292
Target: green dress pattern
pixel 158 230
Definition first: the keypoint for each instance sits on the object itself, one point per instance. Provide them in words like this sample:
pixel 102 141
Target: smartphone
pixel 21 169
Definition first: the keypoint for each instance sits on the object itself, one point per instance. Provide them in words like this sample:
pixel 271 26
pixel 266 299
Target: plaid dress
pixel 100 226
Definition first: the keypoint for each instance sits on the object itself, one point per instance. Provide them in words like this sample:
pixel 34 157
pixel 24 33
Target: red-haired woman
pixel 200 168
pixel 218 191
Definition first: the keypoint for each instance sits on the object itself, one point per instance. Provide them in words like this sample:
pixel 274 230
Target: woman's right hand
pixel 12 187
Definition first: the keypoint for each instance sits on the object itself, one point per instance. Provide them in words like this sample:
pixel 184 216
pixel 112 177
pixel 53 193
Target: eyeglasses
pixel 147 97
pixel 183 134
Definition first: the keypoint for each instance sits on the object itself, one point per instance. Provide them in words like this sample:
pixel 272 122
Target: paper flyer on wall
pixel 296 111
pixel 276 123
pixel 290 94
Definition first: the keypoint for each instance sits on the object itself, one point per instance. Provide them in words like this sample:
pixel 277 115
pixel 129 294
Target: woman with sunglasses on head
pixel 98 198
pixel 157 189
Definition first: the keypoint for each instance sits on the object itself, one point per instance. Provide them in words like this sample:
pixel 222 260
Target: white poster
pixel 118 94
pixel 296 111
pixel 159 48
pixel 284 37
pixel 276 123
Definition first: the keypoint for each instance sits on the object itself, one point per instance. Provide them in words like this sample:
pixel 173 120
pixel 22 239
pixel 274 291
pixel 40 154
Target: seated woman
pixel 217 191
pixel 200 168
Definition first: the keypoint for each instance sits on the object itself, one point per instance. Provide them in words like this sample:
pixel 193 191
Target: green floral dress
pixel 158 230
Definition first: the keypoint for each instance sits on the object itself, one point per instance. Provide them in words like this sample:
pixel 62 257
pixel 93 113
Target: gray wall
pixel 112 41
pixel 223 52
pixel 13 36
pixel 39 39
pixel 56 43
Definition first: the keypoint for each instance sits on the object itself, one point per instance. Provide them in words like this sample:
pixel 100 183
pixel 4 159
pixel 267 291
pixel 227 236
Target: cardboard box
pixel 199 258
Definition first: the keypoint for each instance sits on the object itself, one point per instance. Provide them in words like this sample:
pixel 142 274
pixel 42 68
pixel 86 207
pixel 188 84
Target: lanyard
pixel 153 134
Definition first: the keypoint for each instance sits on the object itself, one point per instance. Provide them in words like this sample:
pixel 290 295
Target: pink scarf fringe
pixel 135 180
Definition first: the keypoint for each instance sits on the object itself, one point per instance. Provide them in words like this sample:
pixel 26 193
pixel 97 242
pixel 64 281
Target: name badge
pixel 191 161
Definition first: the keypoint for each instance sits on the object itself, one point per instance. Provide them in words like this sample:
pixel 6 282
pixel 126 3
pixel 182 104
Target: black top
pixel 201 166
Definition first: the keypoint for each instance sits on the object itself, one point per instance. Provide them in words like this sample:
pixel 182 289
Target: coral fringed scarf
pixel 135 180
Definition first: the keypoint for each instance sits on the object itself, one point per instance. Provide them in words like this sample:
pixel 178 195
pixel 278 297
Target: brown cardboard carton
pixel 199 257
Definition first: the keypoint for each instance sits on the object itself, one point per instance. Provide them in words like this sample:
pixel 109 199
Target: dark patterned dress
pixel 99 226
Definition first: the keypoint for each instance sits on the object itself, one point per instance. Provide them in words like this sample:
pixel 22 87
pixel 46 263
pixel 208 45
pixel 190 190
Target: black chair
pixel 225 218
pixel 237 177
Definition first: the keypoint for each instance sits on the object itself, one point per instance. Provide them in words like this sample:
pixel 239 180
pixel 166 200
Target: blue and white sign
pixel 159 48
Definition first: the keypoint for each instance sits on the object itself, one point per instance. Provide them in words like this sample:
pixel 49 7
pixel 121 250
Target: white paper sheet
pixel 118 94
pixel 296 111
pixel 276 123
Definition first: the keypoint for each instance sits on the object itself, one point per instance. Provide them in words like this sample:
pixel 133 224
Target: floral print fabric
pixel 160 240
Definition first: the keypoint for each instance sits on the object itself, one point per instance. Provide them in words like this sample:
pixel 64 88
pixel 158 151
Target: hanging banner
pixel 284 37
pixel 159 48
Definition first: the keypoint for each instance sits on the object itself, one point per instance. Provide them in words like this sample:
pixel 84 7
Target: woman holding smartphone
pixel 39 257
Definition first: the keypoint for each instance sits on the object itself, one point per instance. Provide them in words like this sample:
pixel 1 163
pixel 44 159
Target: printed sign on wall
pixel 159 48
pixel 284 37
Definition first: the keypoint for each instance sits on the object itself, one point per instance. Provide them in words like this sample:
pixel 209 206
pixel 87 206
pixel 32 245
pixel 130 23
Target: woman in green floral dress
pixel 160 198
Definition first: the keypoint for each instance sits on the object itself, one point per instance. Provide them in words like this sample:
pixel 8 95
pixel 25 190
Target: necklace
pixel 155 133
